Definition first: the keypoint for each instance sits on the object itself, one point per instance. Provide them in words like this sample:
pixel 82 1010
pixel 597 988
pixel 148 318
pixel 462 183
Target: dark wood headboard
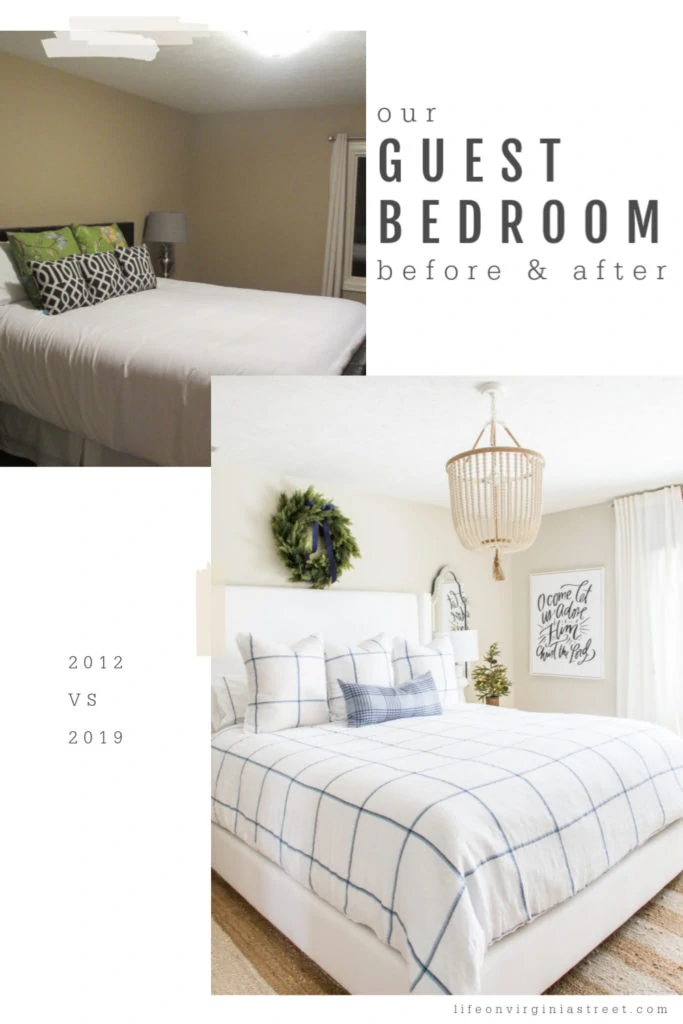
pixel 127 227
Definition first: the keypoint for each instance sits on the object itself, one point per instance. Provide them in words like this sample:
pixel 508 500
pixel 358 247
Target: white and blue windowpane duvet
pixel 444 834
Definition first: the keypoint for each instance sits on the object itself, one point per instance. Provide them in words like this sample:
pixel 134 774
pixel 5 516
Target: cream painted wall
pixel 73 150
pixel 254 185
pixel 403 543
pixel 260 189
pixel 581 538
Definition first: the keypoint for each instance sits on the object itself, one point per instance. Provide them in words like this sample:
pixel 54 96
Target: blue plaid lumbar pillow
pixel 372 705
pixel 368 663
pixel 285 685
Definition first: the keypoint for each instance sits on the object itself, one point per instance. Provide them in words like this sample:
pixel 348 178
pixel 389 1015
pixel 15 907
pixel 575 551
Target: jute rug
pixel 644 957
pixel 276 966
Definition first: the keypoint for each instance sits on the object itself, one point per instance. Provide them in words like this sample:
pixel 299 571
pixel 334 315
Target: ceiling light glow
pixel 279 44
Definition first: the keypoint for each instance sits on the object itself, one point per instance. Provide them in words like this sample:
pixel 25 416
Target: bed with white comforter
pixel 134 373
pixel 444 834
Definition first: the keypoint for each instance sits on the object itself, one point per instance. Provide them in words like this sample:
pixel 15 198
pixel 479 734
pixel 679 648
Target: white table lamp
pixel 465 644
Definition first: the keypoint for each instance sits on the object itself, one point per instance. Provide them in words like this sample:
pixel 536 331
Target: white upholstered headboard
pixel 286 614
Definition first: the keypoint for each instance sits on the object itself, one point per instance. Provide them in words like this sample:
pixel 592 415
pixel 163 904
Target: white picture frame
pixel 567 623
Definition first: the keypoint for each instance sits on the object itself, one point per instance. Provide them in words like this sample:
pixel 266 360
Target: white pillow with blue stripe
pixel 412 661
pixel 286 686
pixel 368 662
pixel 372 705
pixel 228 701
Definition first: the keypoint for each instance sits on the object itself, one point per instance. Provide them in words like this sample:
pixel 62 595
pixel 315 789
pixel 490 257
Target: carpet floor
pixel 643 957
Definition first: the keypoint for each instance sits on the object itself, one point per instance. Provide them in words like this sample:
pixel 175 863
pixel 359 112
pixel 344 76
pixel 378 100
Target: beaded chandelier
pixel 496 491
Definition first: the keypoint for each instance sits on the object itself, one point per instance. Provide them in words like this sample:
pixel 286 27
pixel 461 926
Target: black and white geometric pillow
pixel 61 285
pixel 136 264
pixel 103 275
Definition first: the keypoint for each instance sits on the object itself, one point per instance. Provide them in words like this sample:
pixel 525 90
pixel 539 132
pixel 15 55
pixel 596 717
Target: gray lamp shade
pixel 162 226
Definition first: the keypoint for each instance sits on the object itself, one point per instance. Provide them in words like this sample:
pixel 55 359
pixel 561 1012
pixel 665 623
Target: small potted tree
pixel 491 679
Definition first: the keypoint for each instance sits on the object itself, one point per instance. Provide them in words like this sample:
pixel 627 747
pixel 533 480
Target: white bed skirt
pixel 527 962
pixel 27 437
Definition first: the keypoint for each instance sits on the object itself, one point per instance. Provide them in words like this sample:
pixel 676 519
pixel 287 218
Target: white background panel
pixel 106 848
pixel 603 78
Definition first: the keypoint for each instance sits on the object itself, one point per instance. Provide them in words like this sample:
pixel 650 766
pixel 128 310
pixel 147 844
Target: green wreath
pixel 313 538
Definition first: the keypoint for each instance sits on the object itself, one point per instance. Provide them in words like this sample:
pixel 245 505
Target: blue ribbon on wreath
pixel 328 540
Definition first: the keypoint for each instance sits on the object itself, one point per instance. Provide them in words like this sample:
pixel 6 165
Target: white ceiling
pixel 601 436
pixel 220 73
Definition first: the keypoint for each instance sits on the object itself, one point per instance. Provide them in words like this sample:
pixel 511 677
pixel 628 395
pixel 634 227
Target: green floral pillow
pixel 101 238
pixel 39 245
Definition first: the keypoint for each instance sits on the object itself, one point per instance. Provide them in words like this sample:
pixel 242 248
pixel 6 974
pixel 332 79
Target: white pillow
pixel 413 660
pixel 285 685
pixel 228 701
pixel 11 288
pixel 368 662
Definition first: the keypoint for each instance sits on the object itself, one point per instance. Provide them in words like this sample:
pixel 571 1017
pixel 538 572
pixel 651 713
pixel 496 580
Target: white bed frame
pixel 528 961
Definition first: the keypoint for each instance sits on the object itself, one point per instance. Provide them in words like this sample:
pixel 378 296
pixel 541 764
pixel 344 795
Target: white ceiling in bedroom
pixel 601 436
pixel 220 73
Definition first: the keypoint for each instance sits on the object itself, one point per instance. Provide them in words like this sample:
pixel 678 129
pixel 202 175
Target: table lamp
pixel 465 644
pixel 166 228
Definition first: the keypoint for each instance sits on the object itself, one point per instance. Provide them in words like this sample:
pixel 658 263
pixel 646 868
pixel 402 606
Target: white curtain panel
pixel 649 578
pixel 333 271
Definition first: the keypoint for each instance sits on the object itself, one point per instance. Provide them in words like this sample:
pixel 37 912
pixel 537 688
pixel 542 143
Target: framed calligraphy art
pixel 567 620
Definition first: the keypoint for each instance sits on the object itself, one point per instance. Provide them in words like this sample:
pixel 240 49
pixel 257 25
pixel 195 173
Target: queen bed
pixel 485 850
pixel 127 381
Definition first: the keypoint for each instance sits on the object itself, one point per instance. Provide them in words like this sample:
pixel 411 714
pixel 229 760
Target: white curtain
pixel 649 579
pixel 333 270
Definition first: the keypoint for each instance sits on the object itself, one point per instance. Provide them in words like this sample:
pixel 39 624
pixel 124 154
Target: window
pixel 354 235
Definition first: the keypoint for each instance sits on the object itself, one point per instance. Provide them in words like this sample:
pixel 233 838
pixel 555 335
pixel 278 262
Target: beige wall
pixel 260 188
pixel 76 151
pixel 581 538
pixel 403 544
pixel 254 185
